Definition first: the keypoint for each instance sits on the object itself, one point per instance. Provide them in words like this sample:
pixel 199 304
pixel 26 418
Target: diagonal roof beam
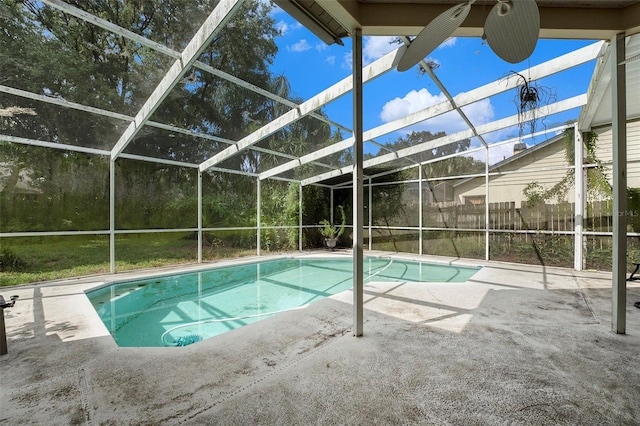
pixel 598 88
pixel 444 90
pixel 105 113
pixel 371 71
pixel 565 105
pixel 480 148
pixel 321 153
pixel 555 108
pixel 211 26
pixel 111 27
pixel 545 69
pixel 263 92
pixel 554 66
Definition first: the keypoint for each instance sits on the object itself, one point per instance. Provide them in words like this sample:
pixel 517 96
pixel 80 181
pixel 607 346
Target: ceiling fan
pixel 511 30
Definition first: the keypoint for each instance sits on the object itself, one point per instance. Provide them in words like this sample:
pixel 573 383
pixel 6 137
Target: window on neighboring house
pixel 474 200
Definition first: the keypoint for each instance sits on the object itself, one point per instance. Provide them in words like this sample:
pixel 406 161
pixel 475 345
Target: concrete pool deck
pixel 516 344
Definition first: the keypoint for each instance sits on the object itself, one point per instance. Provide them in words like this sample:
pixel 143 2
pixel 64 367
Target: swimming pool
pixel 181 309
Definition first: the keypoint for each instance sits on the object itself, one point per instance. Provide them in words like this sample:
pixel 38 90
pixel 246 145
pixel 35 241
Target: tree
pixel 453 166
pixel 47 52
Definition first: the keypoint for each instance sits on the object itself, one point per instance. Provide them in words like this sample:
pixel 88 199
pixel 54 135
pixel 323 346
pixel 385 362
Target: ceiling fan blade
pixel 433 35
pixel 512 29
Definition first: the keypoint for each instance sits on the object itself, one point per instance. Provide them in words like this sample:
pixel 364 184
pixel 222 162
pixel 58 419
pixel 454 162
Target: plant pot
pixel 331 243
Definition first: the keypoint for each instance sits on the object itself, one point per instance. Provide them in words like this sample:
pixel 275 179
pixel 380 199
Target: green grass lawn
pixel 52 258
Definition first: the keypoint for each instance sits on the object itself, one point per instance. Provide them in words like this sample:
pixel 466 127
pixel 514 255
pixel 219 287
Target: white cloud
pixel 321 46
pixel 300 46
pixel 478 113
pixel 450 42
pixel 372 48
pixel 282 27
pixel 347 61
pixel 376 47
pixel 331 60
pixel 411 102
pixel 285 27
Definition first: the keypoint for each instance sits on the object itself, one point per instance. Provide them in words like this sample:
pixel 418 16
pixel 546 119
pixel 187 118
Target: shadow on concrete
pixel 523 356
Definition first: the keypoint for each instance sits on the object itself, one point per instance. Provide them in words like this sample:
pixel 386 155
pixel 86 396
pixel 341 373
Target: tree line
pixel 47 52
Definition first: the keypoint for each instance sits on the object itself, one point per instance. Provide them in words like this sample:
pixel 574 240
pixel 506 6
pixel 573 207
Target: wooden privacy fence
pixel 505 216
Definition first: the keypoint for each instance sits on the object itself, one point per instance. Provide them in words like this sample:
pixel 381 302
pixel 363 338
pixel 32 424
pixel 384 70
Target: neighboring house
pixel 547 161
pixel 548 166
pixel 604 150
pixel 16 183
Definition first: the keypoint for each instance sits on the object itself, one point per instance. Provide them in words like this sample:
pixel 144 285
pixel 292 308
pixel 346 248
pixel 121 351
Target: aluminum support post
pixel 370 214
pixel 112 216
pixel 258 213
pixel 420 204
pixel 486 204
pixel 619 123
pixel 358 189
pixel 299 217
pixel 580 198
pixel 199 216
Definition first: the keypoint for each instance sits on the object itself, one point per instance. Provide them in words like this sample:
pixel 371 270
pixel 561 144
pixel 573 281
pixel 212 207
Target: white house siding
pixel 604 151
pixel 546 165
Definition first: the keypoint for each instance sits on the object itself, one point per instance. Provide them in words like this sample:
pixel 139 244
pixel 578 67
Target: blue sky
pixel 464 64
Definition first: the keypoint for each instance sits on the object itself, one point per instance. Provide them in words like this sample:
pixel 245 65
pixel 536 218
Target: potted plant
pixel 330 232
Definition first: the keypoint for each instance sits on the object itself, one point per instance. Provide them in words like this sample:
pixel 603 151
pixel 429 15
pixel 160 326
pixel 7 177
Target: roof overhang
pixel 568 19
pixel 312 15
pixel 598 111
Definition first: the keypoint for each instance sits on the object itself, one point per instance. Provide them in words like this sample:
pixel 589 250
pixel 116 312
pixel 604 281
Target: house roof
pixel 518 156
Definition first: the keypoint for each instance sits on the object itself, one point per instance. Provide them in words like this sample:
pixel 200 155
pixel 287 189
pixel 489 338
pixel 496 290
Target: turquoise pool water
pixel 178 310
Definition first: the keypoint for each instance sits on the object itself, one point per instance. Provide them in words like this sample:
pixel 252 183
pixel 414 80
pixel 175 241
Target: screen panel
pixel 29 119
pixel 44 258
pixel 173 145
pixel 532 248
pixel 144 250
pixel 228 200
pixel 52 190
pixel 76 60
pixel 463 244
pixel 222 244
pixel 155 196
pixel 396 240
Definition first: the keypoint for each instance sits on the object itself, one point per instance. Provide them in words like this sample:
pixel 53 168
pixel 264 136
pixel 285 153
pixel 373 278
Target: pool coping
pixel 176 272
